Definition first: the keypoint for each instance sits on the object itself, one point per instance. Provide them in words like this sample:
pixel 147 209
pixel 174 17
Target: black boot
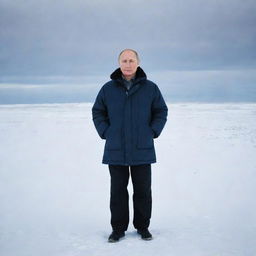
pixel 115 236
pixel 145 234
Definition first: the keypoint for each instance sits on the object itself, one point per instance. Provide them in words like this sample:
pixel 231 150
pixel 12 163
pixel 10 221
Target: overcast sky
pixel 63 49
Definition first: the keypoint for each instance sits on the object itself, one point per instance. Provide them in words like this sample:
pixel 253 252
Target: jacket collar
pixel 140 75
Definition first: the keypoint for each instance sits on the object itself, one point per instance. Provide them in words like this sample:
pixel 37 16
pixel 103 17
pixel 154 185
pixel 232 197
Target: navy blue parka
pixel 129 120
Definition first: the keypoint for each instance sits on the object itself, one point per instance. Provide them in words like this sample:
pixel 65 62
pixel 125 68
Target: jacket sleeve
pixel 100 114
pixel 159 113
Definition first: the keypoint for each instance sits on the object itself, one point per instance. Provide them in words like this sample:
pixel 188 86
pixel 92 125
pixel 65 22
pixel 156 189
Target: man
pixel 129 112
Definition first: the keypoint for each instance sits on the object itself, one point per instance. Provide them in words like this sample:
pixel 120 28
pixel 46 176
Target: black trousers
pixel 119 197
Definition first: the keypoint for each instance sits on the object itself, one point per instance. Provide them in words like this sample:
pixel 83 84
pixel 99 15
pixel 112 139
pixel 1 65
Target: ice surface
pixel 54 191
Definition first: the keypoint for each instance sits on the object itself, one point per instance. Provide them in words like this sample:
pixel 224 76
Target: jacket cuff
pixel 155 135
pixel 103 136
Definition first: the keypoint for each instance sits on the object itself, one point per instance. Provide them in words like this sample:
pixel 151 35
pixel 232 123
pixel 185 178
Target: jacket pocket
pixel 113 139
pixel 145 138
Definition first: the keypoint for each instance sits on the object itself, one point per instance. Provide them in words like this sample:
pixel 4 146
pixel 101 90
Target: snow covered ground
pixel 54 191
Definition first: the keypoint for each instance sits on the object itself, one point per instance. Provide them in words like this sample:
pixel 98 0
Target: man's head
pixel 128 61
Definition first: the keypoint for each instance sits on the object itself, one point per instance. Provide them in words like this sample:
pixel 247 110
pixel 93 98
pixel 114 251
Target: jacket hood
pixel 140 74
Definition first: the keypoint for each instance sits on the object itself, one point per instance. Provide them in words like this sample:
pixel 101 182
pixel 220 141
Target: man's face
pixel 128 64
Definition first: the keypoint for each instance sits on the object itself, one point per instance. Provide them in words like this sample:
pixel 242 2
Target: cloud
pixel 176 86
pixel 207 85
pixel 80 37
pixel 193 45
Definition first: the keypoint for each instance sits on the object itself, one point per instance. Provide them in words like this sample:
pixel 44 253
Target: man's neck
pixel 128 78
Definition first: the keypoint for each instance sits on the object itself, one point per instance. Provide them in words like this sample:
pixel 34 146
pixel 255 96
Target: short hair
pixel 136 54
